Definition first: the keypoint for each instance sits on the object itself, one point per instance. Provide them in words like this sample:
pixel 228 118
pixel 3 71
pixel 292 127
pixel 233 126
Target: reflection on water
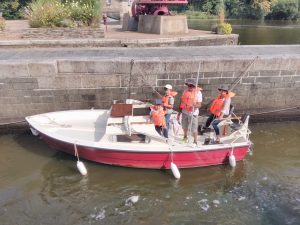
pixel 255 32
pixel 42 186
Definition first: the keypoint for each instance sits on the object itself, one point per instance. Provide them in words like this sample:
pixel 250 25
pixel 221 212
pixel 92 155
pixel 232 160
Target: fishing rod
pixel 195 96
pixel 144 79
pixel 239 78
pixel 236 81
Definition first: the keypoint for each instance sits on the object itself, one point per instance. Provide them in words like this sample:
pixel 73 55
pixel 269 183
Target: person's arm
pixel 170 103
pixel 225 109
pixel 198 104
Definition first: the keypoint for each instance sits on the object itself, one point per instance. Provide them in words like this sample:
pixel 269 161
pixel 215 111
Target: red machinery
pixel 154 7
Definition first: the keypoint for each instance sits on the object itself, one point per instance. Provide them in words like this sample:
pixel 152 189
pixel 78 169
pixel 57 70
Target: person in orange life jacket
pixel 158 117
pixel 219 108
pixel 191 101
pixel 168 104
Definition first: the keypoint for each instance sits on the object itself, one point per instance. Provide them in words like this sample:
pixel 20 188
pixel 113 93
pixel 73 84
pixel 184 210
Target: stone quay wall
pixel 28 88
pixel 62 33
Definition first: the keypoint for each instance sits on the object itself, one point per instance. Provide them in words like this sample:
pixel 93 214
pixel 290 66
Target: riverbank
pixel 17 31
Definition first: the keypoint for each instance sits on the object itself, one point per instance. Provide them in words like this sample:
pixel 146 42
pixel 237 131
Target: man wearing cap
pixel 219 108
pixel 191 101
pixel 168 103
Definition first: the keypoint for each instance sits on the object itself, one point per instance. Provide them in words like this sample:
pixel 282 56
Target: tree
pixel 284 9
pixel 11 9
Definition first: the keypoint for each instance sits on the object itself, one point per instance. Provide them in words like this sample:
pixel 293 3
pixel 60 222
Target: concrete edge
pixel 110 42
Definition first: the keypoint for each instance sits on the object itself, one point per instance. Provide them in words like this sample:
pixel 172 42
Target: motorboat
pixel 125 136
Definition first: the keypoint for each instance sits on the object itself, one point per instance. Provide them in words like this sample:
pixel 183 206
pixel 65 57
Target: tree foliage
pixel 284 9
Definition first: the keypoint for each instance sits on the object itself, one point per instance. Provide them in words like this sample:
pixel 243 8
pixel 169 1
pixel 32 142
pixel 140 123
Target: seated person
pixel 219 108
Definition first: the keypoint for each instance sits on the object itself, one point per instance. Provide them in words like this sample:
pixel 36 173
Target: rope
pixel 76 151
pixel 10 123
pixel 277 110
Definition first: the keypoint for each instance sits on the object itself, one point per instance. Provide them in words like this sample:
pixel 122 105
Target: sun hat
pixel 190 82
pixel 223 87
pixel 168 86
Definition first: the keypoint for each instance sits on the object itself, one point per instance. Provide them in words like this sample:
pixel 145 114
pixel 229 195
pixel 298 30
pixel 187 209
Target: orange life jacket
pixel 188 99
pixel 217 105
pixel 165 99
pixel 158 117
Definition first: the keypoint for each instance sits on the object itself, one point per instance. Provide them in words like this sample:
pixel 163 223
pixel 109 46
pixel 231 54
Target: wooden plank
pixel 120 110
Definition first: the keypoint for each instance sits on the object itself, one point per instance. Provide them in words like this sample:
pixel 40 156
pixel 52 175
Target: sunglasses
pixel 190 85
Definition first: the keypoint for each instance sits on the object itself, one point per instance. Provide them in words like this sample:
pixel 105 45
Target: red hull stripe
pixel 151 160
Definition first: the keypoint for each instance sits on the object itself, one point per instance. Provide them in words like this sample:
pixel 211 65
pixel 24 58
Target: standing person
pixel 191 101
pixel 168 104
pixel 219 108
pixel 158 117
pixel 104 17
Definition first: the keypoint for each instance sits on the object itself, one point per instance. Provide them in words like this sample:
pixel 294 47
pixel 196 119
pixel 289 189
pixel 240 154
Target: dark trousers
pixel 162 131
pixel 209 120
pixel 167 116
pixel 214 124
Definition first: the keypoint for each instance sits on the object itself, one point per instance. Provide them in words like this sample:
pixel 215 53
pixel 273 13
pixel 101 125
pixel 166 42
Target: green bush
pixel 222 28
pixel 2 24
pixel 45 13
pixel 55 13
pixel 198 15
pixel 84 13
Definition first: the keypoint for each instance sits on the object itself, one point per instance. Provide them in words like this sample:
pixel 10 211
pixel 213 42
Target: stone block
pixel 212 74
pixel 94 81
pixel 268 73
pixel 162 83
pixel 232 65
pixel 72 66
pixel 108 66
pixel 268 79
pixel 182 66
pixel 250 74
pixel 162 24
pixel 228 74
pixel 249 80
pixel 166 76
pixel 42 69
pixel 60 83
pixel 148 67
pixel 129 23
pixel 25 86
pixel 272 63
pixel 287 72
pixel 45 82
pixel 13 70
pixel 221 80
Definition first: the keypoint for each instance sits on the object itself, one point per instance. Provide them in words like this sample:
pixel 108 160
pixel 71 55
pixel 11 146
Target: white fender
pixel 34 131
pixel 175 170
pixel 81 167
pixel 232 161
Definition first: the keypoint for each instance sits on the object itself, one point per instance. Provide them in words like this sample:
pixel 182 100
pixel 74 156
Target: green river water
pixel 39 185
pixel 253 32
